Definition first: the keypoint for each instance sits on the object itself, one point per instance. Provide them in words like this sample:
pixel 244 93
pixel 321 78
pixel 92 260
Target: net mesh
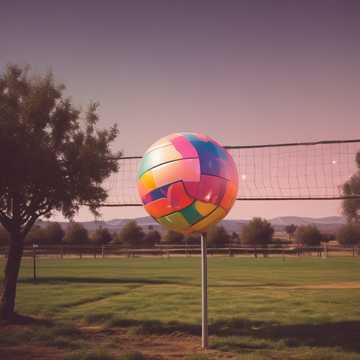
pixel 302 171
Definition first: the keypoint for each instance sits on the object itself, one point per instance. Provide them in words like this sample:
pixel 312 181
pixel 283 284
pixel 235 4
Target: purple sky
pixel 243 72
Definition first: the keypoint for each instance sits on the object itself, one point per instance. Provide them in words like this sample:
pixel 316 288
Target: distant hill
pixel 325 224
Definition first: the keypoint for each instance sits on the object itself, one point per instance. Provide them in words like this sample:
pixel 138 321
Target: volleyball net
pixel 292 171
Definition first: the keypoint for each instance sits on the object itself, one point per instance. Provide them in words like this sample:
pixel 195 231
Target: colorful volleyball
pixel 187 182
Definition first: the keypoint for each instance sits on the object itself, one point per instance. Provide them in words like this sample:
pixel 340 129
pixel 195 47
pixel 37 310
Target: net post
pixel 204 292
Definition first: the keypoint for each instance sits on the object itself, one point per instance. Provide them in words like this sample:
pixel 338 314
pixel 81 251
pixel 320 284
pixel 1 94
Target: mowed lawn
pixel 300 308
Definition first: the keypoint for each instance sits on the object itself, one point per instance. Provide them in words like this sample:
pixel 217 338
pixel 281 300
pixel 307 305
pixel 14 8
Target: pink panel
pixel 184 147
pixel 177 196
pixel 210 189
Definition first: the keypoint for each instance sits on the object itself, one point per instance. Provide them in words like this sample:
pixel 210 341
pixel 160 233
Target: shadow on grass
pixel 18 319
pixel 98 280
pixel 345 334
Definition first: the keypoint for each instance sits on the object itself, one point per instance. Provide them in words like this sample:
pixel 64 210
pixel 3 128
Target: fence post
pixel 102 251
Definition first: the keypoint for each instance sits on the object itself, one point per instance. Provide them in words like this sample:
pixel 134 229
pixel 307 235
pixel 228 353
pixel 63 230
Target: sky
pixel 243 72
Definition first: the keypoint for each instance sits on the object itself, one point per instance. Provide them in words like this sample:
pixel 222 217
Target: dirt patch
pixel 27 352
pixel 117 341
pixel 165 347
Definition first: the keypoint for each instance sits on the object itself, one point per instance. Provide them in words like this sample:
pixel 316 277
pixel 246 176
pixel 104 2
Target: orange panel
pixel 159 207
pixel 229 196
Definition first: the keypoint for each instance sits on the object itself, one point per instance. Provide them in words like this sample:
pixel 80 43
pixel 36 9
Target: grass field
pixel 300 308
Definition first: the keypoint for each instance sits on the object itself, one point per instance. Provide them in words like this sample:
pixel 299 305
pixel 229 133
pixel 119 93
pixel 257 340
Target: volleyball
pixel 187 182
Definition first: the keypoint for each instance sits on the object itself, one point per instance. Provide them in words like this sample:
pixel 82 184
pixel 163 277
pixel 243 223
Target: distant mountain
pixel 326 224
pixel 296 220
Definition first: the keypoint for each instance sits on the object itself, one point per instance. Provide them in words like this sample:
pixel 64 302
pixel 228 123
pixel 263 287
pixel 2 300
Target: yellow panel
pixel 204 208
pixel 211 219
pixel 146 183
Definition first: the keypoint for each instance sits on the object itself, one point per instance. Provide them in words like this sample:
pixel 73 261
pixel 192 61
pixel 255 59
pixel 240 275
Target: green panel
pixel 191 214
pixel 174 221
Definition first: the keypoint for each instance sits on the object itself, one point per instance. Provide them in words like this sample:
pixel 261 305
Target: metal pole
pixel 204 286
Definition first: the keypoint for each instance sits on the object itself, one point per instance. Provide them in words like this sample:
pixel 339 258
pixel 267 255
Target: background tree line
pixel 257 232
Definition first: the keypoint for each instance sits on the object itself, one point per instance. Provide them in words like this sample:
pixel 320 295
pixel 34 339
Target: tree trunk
pixel 7 304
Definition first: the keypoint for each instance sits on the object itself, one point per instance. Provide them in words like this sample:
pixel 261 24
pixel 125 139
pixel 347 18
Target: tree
pixel 290 230
pixel 131 234
pixel 173 237
pixel 257 232
pixel 351 207
pixel 349 234
pixel 217 236
pixel 308 235
pixel 76 234
pixel 51 158
pixel 151 238
pixel 101 236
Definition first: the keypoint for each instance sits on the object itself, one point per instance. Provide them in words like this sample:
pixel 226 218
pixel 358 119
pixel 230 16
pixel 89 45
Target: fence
pixel 95 252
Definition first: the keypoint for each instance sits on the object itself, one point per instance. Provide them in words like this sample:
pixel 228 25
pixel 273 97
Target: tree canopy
pixel 131 235
pixel 76 234
pixel 351 207
pixel 349 234
pixel 173 237
pixel 54 233
pixel 290 230
pixel 308 235
pixel 52 157
pixel 217 236
pixel 151 238
pixel 257 232
pixel 101 236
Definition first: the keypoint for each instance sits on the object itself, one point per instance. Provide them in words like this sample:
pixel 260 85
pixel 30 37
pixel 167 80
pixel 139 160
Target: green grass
pixel 257 308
